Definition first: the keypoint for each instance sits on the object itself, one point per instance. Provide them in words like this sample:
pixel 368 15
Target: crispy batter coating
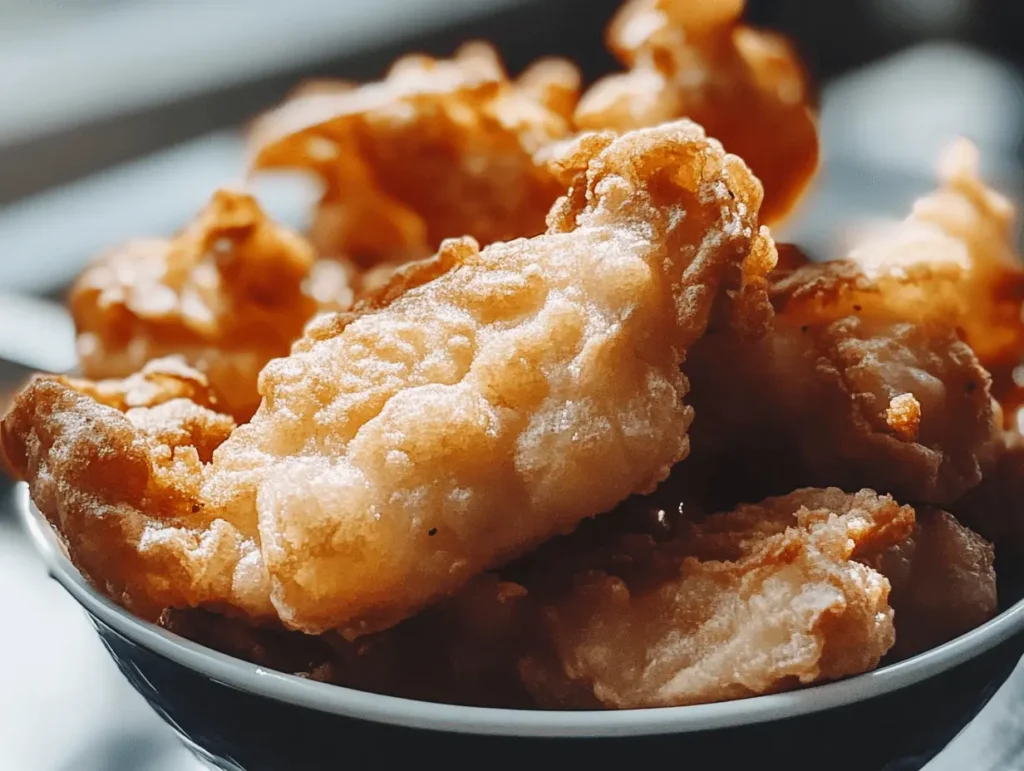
pixel 903 416
pixel 869 376
pixel 438 149
pixel 746 87
pixel 159 381
pixel 226 293
pixel 953 259
pixel 759 599
pixel 747 311
pixel 858 401
pixel 483 402
pixel 943 581
pixel 117 469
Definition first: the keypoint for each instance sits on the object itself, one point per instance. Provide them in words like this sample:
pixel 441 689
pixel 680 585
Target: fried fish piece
pixel 745 86
pixel 500 397
pixel 875 371
pixel 953 259
pixel 859 401
pixel 227 293
pixel 438 149
pixel 525 387
pixel 756 600
pixel 116 467
pixel 943 581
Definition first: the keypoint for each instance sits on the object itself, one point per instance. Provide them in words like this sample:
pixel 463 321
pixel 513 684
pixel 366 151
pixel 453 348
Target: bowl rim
pixel 347 702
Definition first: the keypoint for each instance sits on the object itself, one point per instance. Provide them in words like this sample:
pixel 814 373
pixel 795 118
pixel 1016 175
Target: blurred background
pixel 118 117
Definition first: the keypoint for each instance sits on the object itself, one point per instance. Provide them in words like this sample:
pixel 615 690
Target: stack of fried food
pixel 537 413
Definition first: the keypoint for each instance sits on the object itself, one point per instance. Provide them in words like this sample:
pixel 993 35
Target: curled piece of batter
pixel 116 467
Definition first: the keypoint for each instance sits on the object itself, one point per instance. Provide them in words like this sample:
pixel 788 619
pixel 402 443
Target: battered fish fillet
pixel 875 373
pixel 694 58
pixel 227 294
pixel 759 599
pixel 504 396
pixel 943 582
pixel 902 407
pixel 438 149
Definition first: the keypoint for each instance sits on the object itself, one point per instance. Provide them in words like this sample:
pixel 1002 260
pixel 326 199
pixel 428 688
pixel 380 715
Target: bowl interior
pixel 338 700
